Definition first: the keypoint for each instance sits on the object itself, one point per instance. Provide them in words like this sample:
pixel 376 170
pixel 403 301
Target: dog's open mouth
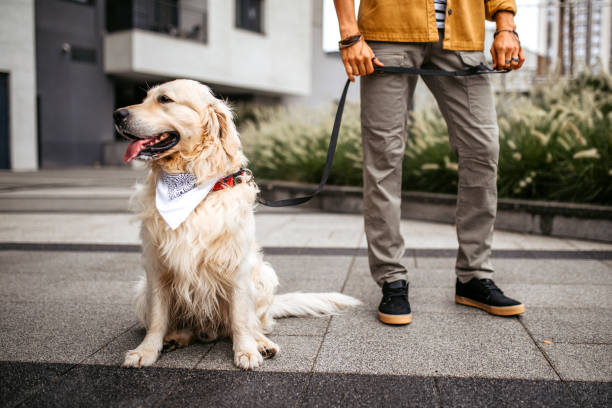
pixel 150 148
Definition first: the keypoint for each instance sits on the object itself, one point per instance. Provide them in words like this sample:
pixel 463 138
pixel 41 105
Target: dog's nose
pixel 120 115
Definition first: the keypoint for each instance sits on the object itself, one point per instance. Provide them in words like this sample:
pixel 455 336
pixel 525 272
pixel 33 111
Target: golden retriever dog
pixel 205 278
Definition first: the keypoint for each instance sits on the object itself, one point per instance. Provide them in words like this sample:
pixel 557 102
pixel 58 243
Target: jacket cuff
pixel 493 6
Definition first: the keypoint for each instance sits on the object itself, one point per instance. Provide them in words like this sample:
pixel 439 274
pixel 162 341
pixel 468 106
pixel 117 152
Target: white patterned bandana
pixel 177 195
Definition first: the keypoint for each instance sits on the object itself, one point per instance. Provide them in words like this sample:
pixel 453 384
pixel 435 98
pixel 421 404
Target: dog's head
pixel 182 127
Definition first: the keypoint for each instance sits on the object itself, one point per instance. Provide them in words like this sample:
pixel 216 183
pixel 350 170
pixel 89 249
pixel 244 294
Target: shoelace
pixel 490 285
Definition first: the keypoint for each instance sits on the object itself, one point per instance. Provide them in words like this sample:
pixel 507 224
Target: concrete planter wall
pixel 534 217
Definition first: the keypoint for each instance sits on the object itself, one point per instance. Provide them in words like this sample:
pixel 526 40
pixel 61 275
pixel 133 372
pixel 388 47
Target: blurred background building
pixel 574 35
pixel 65 65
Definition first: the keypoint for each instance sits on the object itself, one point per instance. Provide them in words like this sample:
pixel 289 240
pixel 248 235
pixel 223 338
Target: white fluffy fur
pixel 310 304
pixel 207 278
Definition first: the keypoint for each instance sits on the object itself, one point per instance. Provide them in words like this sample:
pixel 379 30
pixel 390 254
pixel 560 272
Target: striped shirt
pixel 440 6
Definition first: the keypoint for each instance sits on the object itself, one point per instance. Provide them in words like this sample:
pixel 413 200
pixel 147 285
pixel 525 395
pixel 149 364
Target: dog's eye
pixel 164 99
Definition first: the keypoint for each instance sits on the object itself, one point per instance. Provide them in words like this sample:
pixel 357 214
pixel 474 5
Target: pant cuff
pixel 392 277
pixel 466 276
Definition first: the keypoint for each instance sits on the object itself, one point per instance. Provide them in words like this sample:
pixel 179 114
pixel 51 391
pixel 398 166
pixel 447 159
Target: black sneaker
pixel 485 295
pixel 394 307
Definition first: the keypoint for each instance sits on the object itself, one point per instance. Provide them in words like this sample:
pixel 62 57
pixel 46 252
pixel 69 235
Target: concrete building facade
pixel 68 64
pixel 271 61
pixel 18 133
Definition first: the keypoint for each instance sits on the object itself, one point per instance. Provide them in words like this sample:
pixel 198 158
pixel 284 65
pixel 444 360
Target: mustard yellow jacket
pixel 415 21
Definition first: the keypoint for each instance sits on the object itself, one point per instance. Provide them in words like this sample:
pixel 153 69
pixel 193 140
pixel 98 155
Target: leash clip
pixel 248 177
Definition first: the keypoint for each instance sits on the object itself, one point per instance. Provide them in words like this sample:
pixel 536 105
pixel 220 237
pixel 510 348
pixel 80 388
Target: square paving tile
pixel 59 332
pixel 301 326
pixel 113 353
pixel 561 296
pixel 569 325
pixel 592 394
pixel 109 266
pixel 73 228
pixel 555 271
pixel 487 392
pixel 581 362
pixel 19 380
pixel 204 388
pixel 68 277
pixel 426 262
pixel 309 273
pixel 352 390
pixel 428 235
pixel 309 230
pixel 433 345
pixel 89 291
pixel 100 386
pixel 24 287
pixel 297 354
pixel 589 245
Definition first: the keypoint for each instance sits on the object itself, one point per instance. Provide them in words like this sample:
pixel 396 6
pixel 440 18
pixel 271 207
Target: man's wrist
pixel 505 20
pixel 346 32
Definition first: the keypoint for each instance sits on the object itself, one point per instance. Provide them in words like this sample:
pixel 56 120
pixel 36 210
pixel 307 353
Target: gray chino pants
pixel 467 106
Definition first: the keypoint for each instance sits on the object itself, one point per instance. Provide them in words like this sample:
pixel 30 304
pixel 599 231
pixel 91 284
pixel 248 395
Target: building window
pixel 249 15
pixel 181 19
pixel 84 2
pixel 83 54
pixel 5 156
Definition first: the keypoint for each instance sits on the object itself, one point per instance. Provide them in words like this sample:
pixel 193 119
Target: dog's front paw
pixel 140 358
pixel 247 360
pixel 267 348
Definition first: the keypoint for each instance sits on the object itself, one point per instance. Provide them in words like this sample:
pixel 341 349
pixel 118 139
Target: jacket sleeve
pixel 493 6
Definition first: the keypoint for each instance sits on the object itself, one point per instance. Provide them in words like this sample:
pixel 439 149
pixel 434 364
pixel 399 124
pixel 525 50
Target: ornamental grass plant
pixel 555 144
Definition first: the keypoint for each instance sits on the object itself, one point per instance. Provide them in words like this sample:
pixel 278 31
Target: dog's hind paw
pixel 178 339
pixel 247 360
pixel 138 358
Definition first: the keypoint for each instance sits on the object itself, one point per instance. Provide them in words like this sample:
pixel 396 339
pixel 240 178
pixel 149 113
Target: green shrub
pixel 291 144
pixel 554 145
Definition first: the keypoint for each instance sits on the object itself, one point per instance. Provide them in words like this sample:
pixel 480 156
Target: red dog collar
pixel 231 180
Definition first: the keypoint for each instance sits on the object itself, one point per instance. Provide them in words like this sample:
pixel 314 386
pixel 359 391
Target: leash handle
pixel 333 140
pixel 479 69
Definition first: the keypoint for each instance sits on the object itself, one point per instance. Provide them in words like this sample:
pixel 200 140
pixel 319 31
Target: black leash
pixel 479 69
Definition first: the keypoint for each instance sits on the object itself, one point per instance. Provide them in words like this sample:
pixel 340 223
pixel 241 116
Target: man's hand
pixel 358 59
pixel 506 45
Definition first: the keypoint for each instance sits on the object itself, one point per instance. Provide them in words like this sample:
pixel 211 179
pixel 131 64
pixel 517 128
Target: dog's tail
pixel 310 304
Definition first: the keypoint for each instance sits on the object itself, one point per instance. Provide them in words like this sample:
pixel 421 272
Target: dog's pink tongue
pixel 133 149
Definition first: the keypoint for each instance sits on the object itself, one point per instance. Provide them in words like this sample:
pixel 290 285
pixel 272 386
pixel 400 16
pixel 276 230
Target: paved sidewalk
pixel 69 258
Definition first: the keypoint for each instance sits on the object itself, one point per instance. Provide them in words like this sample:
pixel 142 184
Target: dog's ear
pixel 220 127
pixel 219 148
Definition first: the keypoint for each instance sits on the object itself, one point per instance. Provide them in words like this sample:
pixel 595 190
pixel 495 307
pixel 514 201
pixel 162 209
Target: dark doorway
pixel 130 93
pixel 5 155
